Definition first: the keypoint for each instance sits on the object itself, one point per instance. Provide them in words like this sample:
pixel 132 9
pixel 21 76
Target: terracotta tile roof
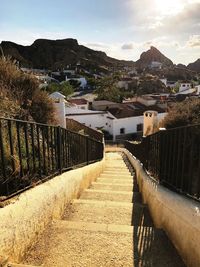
pixel 134 109
pixel 78 101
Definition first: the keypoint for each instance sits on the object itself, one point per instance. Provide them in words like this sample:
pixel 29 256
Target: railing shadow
pixel 151 246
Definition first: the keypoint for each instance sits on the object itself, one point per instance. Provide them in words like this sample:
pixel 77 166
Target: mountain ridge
pixel 54 54
pixel 57 54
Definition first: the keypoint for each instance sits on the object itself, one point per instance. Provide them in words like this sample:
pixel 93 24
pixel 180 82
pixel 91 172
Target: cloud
pixel 127 46
pixel 194 41
pixel 97 45
pixel 187 21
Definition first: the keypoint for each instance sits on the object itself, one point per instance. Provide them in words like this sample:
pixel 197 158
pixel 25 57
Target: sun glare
pixel 169 7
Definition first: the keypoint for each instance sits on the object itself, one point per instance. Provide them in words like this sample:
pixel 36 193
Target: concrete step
pixel 89 244
pixel 104 228
pixel 19 265
pixel 120 196
pixel 111 186
pixel 108 167
pixel 107 213
pixel 116 172
pixel 115 180
pixel 123 167
pixel 121 176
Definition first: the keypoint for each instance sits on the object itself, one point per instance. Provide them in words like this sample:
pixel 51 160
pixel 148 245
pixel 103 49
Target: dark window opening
pixel 139 127
pixel 122 131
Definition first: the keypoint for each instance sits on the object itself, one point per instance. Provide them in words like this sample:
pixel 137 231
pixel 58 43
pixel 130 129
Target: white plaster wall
pixel 161 116
pixel 122 84
pixel 60 114
pixel 197 89
pixel 95 121
pixel 146 102
pixel 130 124
pixel 82 80
pixel 184 86
pixel 85 106
pixel 22 222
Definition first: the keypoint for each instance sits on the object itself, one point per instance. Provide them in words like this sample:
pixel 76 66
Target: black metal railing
pixel 31 152
pixel 173 158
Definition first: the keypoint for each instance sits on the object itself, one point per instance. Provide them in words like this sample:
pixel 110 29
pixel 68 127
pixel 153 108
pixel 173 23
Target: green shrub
pixel 182 114
pixel 20 95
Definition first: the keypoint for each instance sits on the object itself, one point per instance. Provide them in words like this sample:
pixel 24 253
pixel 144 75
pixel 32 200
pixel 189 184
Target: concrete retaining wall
pixel 22 221
pixel 176 214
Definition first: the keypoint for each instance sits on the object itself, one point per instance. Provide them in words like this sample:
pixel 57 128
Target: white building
pixel 104 120
pixel 171 84
pixel 119 120
pixel 79 103
pixel 184 87
pixel 164 81
pixel 124 83
pixel 82 80
pixel 93 119
pixel 155 65
pixel 151 121
pixel 102 104
pixel 197 89
pixel 59 104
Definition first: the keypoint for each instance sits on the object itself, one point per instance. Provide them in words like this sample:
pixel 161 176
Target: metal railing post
pixel 59 149
pixel 87 150
pixel 34 152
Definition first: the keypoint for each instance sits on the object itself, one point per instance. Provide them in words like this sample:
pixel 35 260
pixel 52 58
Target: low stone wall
pixel 177 215
pixel 22 221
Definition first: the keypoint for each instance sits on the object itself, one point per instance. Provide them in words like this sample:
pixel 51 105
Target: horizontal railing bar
pixel 30 151
pixel 48 125
pixel 172 157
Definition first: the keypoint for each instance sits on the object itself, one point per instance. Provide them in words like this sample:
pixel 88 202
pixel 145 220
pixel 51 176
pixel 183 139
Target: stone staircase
pixel 108 226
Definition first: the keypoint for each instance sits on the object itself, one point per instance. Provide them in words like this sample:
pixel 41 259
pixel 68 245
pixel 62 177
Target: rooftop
pixel 57 95
pixel 103 102
pixel 133 109
pixel 78 101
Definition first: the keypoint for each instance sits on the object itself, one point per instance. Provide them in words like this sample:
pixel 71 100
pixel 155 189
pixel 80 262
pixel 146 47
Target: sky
pixel 121 28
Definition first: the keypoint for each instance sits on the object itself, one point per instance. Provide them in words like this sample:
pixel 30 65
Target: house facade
pixel 119 120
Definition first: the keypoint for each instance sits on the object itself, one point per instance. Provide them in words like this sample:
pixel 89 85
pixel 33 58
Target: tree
pixel 65 88
pixel 75 83
pixel 93 83
pixel 41 108
pixel 149 86
pixel 107 90
pixel 182 114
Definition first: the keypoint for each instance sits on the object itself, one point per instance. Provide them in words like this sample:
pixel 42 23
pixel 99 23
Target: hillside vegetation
pixel 20 96
pixel 183 114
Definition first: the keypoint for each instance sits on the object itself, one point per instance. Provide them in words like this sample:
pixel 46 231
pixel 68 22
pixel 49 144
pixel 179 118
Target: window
pixel 122 130
pixel 139 127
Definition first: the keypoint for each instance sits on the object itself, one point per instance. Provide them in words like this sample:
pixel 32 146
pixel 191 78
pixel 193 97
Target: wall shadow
pixel 151 246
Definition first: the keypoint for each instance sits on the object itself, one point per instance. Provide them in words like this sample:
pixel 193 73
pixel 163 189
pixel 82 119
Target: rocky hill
pixel 153 54
pixel 195 66
pixel 56 54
